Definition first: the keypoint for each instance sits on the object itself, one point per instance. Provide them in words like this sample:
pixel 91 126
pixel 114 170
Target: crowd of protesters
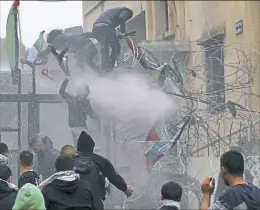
pixel 75 179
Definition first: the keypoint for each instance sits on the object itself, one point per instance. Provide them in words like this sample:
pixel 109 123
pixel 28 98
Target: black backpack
pixel 88 170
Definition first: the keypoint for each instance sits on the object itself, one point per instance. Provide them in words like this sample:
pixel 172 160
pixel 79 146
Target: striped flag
pixel 12 41
pixel 163 145
pixel 160 146
pixel 37 48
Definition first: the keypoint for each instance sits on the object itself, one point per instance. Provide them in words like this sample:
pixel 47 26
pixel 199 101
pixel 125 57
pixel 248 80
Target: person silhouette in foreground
pixel 239 195
pixel 90 166
pixel 64 190
pixel 171 193
pixel 8 191
pixel 29 198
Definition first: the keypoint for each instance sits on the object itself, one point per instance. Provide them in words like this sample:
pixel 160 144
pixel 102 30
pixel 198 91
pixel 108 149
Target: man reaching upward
pixel 79 107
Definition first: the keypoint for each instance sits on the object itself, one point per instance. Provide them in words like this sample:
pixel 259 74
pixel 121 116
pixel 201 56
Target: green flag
pixel 12 41
pixel 39 42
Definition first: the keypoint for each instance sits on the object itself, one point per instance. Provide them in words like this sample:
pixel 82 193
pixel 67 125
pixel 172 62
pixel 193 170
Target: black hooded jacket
pixel 115 17
pixel 241 196
pixel 46 159
pixel 73 195
pixel 7 196
pixel 85 147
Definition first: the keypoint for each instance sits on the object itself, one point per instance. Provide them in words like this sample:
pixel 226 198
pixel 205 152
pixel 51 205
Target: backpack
pixel 88 170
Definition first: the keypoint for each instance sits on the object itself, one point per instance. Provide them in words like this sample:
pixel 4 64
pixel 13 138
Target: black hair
pixel 171 191
pixel 64 163
pixel 26 158
pixel 233 162
pixel 53 35
pixel 3 148
pixel 5 172
pixel 65 147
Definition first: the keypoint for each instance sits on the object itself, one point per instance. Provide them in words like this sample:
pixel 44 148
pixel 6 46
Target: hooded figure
pixel 8 191
pixel 85 148
pixel 29 198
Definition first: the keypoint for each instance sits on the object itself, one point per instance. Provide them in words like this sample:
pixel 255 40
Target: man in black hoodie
pixel 64 190
pixel 79 107
pixel 8 192
pixel 104 31
pixel 46 154
pixel 91 163
pixel 239 195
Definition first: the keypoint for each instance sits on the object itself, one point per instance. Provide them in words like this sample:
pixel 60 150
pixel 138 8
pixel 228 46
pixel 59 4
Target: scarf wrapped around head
pixel 68 176
pixel 171 203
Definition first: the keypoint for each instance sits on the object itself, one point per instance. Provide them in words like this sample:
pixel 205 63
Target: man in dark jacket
pixel 82 46
pixel 8 192
pixel 85 149
pixel 240 194
pixel 79 107
pixel 171 193
pixel 46 155
pixel 104 31
pixel 64 190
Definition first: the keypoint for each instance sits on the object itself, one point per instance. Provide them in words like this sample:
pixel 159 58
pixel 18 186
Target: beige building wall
pixel 193 20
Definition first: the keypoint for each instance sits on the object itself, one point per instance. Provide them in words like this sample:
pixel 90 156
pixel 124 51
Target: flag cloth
pixel 37 48
pixel 160 145
pixel 12 41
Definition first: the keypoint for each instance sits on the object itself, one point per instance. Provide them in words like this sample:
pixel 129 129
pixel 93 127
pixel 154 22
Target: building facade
pixel 229 31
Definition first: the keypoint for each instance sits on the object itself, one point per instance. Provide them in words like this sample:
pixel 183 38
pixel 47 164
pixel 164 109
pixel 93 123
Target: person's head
pixel 83 92
pixel 231 166
pixel 171 191
pixel 38 145
pixel 85 143
pixel 53 35
pixel 29 197
pixel 68 150
pixel 4 149
pixel 129 14
pixel 26 159
pixel 5 173
pixel 64 163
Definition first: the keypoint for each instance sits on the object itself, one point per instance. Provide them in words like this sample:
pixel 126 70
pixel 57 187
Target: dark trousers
pixel 106 36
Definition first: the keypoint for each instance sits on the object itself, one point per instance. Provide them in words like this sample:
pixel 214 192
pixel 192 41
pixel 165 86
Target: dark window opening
pixel 166 16
pixel 215 75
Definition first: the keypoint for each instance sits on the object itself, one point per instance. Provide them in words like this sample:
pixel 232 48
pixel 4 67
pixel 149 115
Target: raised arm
pixel 62 91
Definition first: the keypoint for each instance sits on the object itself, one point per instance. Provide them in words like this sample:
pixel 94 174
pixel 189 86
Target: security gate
pixel 20 113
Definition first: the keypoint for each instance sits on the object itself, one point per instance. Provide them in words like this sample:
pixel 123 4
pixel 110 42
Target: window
pixel 214 70
pixel 166 16
pixel 215 76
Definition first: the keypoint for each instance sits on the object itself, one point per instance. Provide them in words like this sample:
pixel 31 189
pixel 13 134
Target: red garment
pixel 153 136
pixel 16 3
